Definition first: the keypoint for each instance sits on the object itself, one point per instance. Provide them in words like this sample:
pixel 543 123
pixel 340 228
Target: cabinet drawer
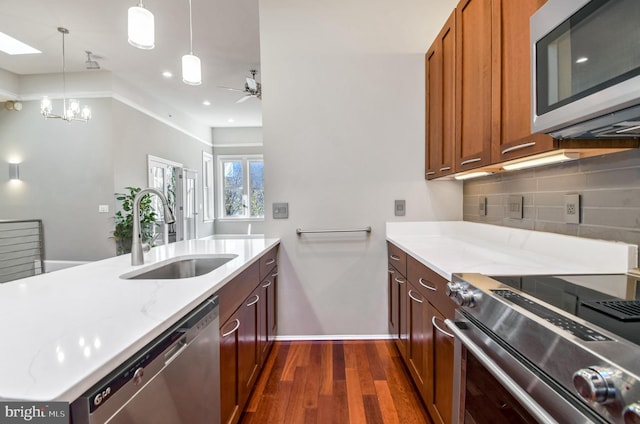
pixel 397 258
pixel 431 285
pixel 268 261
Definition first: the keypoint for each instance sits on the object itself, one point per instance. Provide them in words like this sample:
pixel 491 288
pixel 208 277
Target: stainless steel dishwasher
pixel 173 380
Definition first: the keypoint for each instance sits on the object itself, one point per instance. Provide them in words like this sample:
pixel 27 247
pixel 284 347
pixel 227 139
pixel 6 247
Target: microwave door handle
pixel 518 392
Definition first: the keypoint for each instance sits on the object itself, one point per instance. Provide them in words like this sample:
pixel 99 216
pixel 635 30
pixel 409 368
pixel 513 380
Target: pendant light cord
pixel 190 30
pixel 64 31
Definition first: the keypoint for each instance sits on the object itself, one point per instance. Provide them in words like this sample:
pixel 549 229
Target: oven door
pixel 492 384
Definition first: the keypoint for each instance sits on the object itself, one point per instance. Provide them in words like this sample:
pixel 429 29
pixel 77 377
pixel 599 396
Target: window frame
pixel 208 187
pixel 246 185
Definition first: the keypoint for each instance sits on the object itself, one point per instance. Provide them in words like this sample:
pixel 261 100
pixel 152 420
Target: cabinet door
pixel 419 341
pixel 248 355
pixel 267 310
pixel 440 102
pixel 229 399
pixel 513 124
pixel 441 402
pixel 476 84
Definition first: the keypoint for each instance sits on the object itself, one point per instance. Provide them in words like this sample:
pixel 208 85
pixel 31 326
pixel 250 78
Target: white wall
pixel 343 129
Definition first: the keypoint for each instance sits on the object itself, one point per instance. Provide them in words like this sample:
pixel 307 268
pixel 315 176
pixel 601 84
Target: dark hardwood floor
pixel 334 382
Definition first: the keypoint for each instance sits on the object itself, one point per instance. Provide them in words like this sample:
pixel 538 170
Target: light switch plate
pixel 572 208
pixel 280 210
pixel 514 207
pixel 482 206
pixel 399 208
pixel 103 208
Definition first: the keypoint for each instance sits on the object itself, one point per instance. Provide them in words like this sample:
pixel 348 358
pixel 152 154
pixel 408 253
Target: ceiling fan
pixel 252 88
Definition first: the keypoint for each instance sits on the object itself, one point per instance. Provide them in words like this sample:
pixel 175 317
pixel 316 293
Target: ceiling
pixel 225 37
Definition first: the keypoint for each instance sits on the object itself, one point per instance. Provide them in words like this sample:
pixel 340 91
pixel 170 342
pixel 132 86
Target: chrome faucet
pixel 136 242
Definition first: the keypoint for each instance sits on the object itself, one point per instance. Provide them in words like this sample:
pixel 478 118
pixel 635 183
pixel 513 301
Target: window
pixel 207 186
pixel 242 187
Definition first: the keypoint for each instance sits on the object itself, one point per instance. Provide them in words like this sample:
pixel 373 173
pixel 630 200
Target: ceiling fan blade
pixel 245 98
pixel 251 83
pixel 230 88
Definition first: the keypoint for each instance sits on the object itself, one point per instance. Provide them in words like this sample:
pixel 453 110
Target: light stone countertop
pixel 449 247
pixel 64 331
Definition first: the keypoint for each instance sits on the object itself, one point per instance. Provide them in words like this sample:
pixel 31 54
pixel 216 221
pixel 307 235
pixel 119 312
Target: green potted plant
pixel 123 219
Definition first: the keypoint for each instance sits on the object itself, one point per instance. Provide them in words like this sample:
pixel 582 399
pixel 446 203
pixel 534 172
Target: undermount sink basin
pixel 181 268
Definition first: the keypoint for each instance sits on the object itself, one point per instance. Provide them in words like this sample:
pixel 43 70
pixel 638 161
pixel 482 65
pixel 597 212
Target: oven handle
pixel 518 392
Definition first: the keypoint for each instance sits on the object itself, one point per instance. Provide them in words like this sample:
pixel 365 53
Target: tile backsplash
pixel 609 189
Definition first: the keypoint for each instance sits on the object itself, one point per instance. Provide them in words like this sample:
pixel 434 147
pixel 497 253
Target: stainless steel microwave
pixel 585 57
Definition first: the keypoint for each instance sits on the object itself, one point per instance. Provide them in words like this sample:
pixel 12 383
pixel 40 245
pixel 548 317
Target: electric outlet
pixel 400 207
pixel 280 210
pixel 514 207
pixel 572 208
pixel 482 206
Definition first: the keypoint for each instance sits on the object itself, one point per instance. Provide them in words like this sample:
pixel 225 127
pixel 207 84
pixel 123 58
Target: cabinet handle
pixel 394 257
pixel 270 261
pixel 425 285
pixel 274 275
pixel 468 161
pixel 445 168
pixel 399 280
pixel 391 271
pixel 430 173
pixel 414 298
pixel 446 333
pixel 518 147
pixel 267 284
pixel 254 302
pixel 235 328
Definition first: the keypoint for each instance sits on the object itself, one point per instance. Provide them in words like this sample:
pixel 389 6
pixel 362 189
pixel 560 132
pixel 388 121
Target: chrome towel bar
pixel 367 230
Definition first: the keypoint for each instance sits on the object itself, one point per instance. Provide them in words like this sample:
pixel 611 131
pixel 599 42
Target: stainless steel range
pixel 546 348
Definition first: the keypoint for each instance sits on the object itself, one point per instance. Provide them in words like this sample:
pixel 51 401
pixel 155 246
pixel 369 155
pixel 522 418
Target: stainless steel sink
pixel 181 268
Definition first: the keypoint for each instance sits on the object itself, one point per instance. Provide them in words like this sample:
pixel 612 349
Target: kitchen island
pixel 66 330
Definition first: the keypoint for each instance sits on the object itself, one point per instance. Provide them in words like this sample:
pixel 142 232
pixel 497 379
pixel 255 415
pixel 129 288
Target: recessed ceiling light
pixel 230 120
pixel 582 59
pixel 206 103
pixel 11 46
pixel 167 74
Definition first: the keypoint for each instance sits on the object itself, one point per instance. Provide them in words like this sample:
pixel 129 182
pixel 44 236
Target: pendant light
pixel 141 27
pixel 191 72
pixel 72 110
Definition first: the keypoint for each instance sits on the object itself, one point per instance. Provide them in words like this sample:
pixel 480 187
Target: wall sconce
pixel 14 171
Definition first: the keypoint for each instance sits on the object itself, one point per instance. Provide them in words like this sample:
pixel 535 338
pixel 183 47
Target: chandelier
pixel 71 110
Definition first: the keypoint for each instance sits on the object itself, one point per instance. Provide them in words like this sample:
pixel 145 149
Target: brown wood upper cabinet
pixel 512 126
pixel 440 105
pixel 478 89
pixel 476 83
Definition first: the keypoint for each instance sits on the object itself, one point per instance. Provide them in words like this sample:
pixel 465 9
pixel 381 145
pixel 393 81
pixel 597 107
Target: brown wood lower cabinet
pixel 418 306
pixel 248 313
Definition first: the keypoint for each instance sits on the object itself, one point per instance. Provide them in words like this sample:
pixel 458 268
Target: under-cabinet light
pixel 544 160
pixel 468 175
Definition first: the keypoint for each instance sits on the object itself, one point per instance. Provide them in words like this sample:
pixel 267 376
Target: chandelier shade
pixel 141 27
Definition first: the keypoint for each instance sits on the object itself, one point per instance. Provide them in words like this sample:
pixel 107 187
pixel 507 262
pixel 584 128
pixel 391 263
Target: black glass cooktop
pixel 609 301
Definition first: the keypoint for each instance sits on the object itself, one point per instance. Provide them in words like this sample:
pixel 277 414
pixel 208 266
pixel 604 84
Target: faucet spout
pixel 137 257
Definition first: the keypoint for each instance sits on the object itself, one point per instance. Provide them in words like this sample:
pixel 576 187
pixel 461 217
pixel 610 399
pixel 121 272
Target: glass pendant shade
pixel 191 73
pixel 45 106
pixel 141 27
